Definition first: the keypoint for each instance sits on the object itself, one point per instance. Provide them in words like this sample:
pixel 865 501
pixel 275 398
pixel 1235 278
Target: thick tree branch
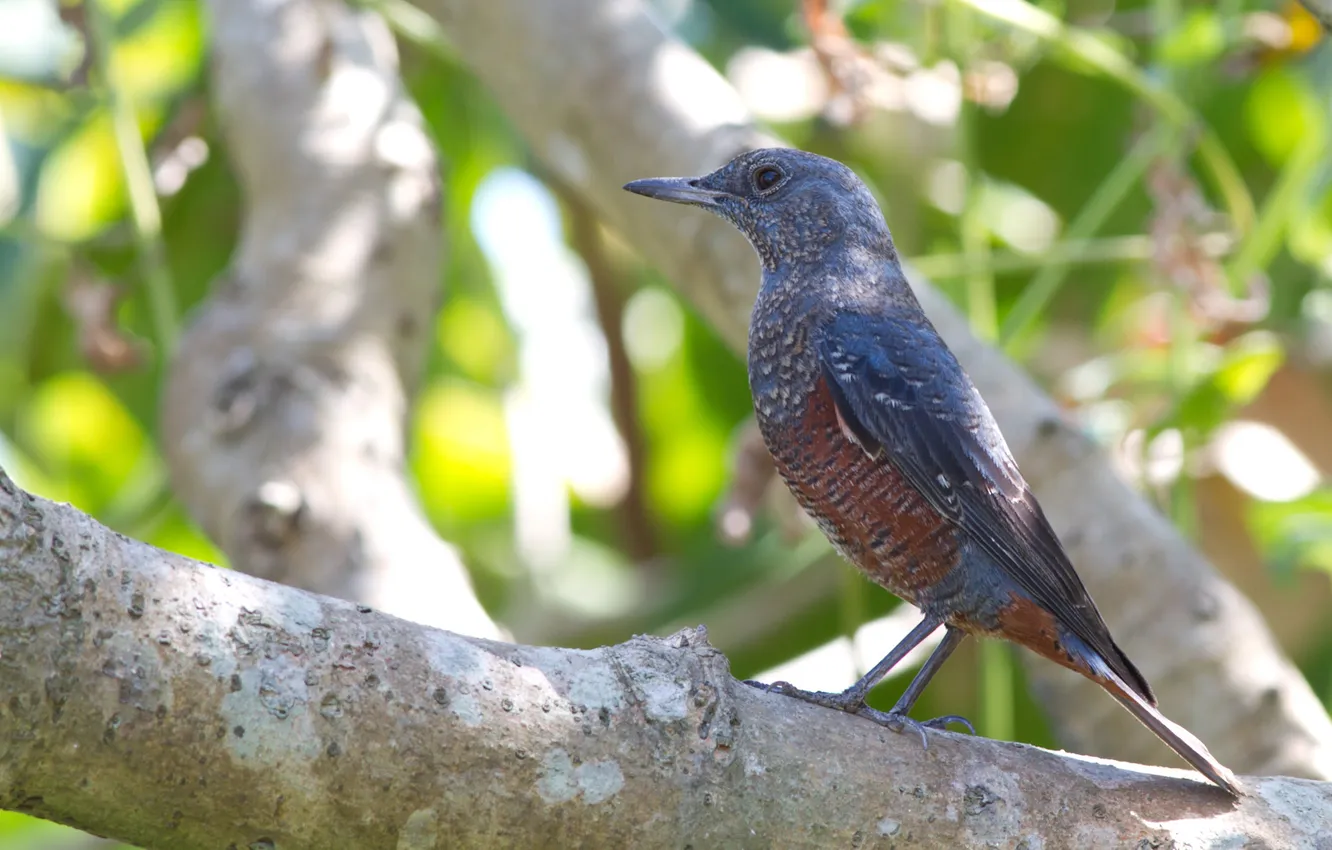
pixel 172 704
pixel 284 416
pixel 643 104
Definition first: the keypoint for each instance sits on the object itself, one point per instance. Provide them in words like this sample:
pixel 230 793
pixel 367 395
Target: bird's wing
pixel 908 402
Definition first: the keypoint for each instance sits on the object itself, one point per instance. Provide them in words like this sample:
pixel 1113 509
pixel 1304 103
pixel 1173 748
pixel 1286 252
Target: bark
pixel 643 104
pixel 284 416
pixel 172 704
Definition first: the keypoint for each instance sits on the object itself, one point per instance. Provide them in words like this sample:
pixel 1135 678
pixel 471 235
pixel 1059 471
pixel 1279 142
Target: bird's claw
pixel 941 723
pixel 900 722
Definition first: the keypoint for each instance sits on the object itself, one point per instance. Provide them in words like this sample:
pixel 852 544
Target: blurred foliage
pixel 1070 200
pixel 1297 532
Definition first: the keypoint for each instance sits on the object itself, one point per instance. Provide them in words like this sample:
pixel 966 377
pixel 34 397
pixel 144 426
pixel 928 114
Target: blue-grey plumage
pixel 882 437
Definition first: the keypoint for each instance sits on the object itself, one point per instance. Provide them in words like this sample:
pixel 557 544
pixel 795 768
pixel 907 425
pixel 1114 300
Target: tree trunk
pixel 285 412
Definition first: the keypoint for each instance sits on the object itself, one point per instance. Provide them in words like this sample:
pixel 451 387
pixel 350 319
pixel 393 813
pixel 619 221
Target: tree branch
pixel 643 104
pixel 284 416
pixel 638 535
pixel 172 704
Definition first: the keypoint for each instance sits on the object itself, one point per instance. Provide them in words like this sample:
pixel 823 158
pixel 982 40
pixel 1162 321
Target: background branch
pixel 172 704
pixel 644 104
pixel 1320 9
pixel 285 414
pixel 608 296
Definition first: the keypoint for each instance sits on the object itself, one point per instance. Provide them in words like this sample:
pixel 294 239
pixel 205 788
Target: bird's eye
pixel 767 176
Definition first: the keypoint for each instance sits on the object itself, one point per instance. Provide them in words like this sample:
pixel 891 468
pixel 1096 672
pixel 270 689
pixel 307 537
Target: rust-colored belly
pixel 869 511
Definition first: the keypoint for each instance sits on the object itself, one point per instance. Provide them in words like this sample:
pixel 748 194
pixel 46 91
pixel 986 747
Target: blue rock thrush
pixel 884 440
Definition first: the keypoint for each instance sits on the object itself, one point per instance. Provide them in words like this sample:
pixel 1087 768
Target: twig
pixel 752 472
pixel 1073 252
pixel 1090 218
pixel 138 174
pixel 1119 68
pixel 640 539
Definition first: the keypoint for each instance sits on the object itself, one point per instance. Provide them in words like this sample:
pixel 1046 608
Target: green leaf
pixel 1244 369
pixel 461 458
pixel 1295 534
pixel 1198 39
pixel 1310 237
pixel 135 18
pixel 1282 111
pixel 1248 365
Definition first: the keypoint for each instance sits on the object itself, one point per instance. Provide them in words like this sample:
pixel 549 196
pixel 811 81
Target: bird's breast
pixel 870 512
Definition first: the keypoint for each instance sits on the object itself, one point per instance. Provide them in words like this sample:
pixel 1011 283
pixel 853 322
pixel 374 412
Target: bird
pixel 886 443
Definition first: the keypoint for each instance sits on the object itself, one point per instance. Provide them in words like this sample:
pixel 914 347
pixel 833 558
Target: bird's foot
pixel 853 703
pixel 899 722
pixel 847 701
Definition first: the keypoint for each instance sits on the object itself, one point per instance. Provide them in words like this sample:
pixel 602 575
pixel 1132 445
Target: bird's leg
pixel 852 700
pixel 897 718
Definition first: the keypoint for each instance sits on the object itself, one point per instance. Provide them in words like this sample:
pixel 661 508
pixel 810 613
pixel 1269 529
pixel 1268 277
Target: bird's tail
pixel 1175 736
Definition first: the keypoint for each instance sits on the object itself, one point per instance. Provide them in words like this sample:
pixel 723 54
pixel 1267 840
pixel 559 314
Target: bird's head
pixel 792 205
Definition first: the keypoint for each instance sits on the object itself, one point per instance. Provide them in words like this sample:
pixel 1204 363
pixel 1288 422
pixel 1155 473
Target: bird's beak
pixel 679 190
